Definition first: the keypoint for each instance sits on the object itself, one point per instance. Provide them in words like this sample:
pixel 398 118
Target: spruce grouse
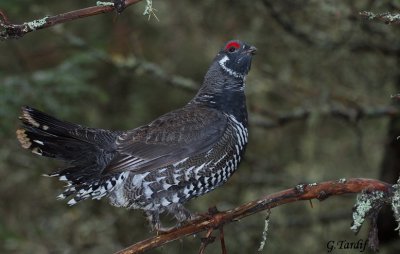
pixel 159 166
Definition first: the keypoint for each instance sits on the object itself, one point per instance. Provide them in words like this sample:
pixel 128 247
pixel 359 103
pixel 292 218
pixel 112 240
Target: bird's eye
pixel 232 49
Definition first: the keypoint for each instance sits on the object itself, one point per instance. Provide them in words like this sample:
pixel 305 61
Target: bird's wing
pixel 169 139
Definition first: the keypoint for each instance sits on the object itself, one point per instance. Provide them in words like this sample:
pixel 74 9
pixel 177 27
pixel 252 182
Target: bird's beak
pixel 252 50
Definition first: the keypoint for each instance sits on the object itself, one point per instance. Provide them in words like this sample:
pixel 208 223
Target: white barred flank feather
pixel 96 190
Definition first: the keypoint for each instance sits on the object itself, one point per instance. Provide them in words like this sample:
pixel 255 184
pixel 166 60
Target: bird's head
pixel 224 82
pixel 235 58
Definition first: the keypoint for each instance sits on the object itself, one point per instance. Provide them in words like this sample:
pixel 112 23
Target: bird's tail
pixel 47 136
pixel 86 150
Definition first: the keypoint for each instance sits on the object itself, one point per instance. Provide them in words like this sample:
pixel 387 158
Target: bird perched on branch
pixel 159 166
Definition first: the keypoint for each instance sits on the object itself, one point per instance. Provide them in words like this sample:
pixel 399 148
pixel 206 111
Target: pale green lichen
pixel 387 17
pixel 100 3
pixel 265 232
pixel 365 202
pixel 36 24
pixel 396 203
pixel 149 10
pixel 312 184
pixel 392 17
pixel 300 188
pixel 342 180
pixel 369 14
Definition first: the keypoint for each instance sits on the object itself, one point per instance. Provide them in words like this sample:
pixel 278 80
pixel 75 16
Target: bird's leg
pixel 154 219
pixel 181 214
pixel 119 5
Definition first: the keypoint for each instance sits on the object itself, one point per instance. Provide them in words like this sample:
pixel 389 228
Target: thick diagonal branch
pixel 318 191
pixel 11 31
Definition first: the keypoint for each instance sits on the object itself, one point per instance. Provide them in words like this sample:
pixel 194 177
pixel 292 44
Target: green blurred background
pixel 318 95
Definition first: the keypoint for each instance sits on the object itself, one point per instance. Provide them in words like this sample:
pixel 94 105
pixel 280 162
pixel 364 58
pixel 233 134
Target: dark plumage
pixel 156 167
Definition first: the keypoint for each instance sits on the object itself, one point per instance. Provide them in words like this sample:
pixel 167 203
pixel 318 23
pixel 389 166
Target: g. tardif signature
pixel 347 245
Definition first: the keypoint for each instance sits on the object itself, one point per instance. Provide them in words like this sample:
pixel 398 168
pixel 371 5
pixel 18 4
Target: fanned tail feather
pixel 86 150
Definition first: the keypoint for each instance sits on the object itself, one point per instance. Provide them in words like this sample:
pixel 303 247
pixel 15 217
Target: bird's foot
pixel 155 224
pixel 159 229
pixel 119 5
pixel 209 214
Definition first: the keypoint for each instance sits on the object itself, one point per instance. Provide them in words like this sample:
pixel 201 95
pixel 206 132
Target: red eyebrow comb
pixel 232 44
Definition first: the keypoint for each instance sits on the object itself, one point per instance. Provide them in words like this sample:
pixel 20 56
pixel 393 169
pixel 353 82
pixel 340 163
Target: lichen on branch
pixel 387 17
pixel 396 204
pixel 9 30
pixel 365 204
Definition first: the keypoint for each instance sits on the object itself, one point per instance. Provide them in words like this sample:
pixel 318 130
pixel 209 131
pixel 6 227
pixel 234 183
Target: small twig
pixel 149 10
pixel 12 31
pixel 205 241
pixel 319 191
pixel 373 240
pixel 265 232
pixel 222 239
pixel 395 96
pixel 4 17
pixel 387 17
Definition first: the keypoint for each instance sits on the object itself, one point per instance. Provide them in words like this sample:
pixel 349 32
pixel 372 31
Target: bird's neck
pixel 224 93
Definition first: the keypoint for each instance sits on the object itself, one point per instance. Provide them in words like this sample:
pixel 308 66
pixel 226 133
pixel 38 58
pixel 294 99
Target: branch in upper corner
pixel 13 31
pixel 390 194
pixel 387 17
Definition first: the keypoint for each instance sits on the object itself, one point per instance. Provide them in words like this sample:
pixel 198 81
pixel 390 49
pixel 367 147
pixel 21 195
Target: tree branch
pixel 206 240
pixel 12 31
pixel 216 220
pixel 350 114
pixel 387 17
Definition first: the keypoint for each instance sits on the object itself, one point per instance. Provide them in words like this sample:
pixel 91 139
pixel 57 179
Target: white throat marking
pixel 229 71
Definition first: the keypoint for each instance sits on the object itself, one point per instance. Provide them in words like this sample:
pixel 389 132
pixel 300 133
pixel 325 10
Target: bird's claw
pixel 119 5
